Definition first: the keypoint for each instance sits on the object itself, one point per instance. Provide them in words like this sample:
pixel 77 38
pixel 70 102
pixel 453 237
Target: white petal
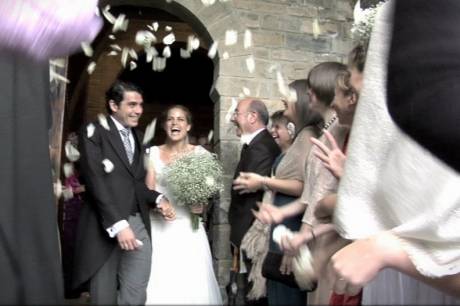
pixel 208 2
pixel 241 95
pixel 87 48
pixel 90 130
pixel 110 18
pixel 169 39
pixel 246 91
pixel 108 165
pixel 58 188
pixel 155 26
pixel 150 27
pixel 150 52
pixel 292 96
pixel 103 121
pixel 115 47
pixel 247 39
pixel 162 62
pixel 67 168
pixel 185 53
pixel 133 53
pixel 225 55
pixel 112 37
pixel 210 135
pixel 132 65
pixel 193 43
pixel 71 152
pixel 124 56
pixel 231 37
pixel 112 53
pixel 168 28
pixel 91 67
pixel 250 64
pixel 167 52
pixel 145 38
pixel 120 24
pixel 58 62
pixel 231 110
pixel 316 29
pixel 282 87
pixel 56 76
pixel 149 131
pixel 213 50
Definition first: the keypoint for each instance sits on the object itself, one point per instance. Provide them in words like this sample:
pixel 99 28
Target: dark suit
pixel 258 157
pixel 111 196
pixel 424 75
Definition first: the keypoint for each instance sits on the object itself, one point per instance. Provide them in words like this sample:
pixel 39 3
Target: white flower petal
pixel 115 47
pixel 120 24
pixel 150 52
pixel 250 64
pixel 149 131
pixel 185 53
pixel 169 39
pixel 58 188
pixel 132 65
pixel 231 37
pixel 56 76
pixel 91 67
pixel 282 87
pixel 155 26
pixel 103 121
pixel 110 18
pixel 90 130
pixel 208 2
pixel 145 38
pixel 210 135
pixel 167 52
pixel 112 37
pixel 168 28
pixel 133 53
pixel 67 168
pixel 112 53
pixel 124 56
pixel 150 27
pixel 193 43
pixel 71 152
pixel 225 55
pixel 213 50
pixel 231 110
pixel 246 91
pixel 247 39
pixel 86 47
pixel 316 28
pixel 108 165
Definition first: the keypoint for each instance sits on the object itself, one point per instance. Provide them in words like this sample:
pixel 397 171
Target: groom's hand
pixel 166 209
pixel 127 239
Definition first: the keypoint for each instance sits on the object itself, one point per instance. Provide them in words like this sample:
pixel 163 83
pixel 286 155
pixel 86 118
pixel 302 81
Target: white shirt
pixel 247 138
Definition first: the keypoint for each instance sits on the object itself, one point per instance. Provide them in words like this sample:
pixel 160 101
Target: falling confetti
pixel 90 130
pixel 316 29
pixel 68 169
pixel 213 50
pixel 208 2
pixel 145 38
pixel 231 110
pixel 58 188
pixel 54 76
pixel 133 53
pixel 288 93
pixel 185 53
pixel 150 52
pixel 124 56
pixel 225 55
pixel 231 37
pixel 210 135
pixel 169 39
pixel 167 52
pixel 112 53
pixel 115 47
pixel 91 67
pixel 150 27
pixel 250 64
pixel 155 26
pixel 132 65
pixel 168 28
pixel 246 91
pixel 103 121
pixel 110 18
pixel 71 152
pixel 112 37
pixel 86 47
pixel 193 43
pixel 108 165
pixel 247 39
pixel 149 131
pixel 120 24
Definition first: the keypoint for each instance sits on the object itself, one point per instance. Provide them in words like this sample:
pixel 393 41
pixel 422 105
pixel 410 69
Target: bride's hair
pixel 188 114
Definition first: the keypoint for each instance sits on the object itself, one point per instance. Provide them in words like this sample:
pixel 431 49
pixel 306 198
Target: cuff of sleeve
pixel 159 198
pixel 117 227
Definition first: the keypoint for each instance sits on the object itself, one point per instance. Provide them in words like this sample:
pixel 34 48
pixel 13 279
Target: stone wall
pixel 283 36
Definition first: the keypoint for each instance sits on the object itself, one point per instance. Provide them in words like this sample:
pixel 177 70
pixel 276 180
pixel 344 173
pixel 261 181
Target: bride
pixel 181 271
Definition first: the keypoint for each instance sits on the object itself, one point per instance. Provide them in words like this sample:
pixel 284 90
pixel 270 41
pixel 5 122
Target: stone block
pixel 223 271
pixel 250 19
pixel 210 14
pixel 271 22
pixel 295 9
pixel 307 43
pixel 221 241
pixel 268 38
pixel 291 55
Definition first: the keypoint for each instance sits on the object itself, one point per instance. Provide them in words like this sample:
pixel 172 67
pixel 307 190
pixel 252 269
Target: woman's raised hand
pixel 248 182
pixel 268 213
pixel 333 158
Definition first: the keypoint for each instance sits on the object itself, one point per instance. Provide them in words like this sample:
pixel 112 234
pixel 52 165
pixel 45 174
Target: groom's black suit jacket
pixel 257 157
pixel 111 196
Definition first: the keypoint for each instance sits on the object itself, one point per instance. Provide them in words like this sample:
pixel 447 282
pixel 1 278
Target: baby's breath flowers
pixel 193 179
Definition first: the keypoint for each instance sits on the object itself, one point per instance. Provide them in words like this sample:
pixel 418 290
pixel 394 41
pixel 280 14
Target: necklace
pixel 329 123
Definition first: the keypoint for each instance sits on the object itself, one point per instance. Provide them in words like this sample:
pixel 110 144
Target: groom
pixel 113 248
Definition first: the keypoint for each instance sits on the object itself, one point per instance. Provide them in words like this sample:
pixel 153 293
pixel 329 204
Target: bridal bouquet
pixel 193 179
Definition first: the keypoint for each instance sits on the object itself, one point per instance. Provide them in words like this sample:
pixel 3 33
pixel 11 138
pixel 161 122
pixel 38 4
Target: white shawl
pixel 391 182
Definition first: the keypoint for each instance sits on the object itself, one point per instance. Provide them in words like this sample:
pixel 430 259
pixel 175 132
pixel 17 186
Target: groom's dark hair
pixel 116 92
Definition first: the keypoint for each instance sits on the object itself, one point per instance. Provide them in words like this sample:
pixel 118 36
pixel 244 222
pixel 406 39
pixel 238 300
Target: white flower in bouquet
pixel 193 179
pixel 361 29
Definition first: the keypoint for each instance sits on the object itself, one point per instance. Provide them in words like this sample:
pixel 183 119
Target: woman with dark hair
pixel 181 271
pixel 286 183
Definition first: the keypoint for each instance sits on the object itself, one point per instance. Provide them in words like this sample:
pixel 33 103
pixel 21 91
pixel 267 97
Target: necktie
pixel 125 138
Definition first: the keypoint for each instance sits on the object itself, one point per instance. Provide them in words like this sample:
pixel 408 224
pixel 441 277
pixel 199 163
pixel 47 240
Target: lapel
pixel 245 149
pixel 117 144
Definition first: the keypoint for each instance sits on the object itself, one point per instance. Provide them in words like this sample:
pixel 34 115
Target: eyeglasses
pixel 236 113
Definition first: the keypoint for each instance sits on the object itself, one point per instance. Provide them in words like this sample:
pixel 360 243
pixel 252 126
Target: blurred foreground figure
pixel 30 33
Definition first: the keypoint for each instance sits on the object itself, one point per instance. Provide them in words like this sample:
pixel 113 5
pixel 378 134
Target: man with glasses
pixel 257 155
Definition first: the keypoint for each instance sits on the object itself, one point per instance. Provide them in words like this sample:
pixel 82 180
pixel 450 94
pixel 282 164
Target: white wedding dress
pixel 182 271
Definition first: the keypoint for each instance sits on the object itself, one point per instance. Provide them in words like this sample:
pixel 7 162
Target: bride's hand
pixel 197 209
pixel 167 210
